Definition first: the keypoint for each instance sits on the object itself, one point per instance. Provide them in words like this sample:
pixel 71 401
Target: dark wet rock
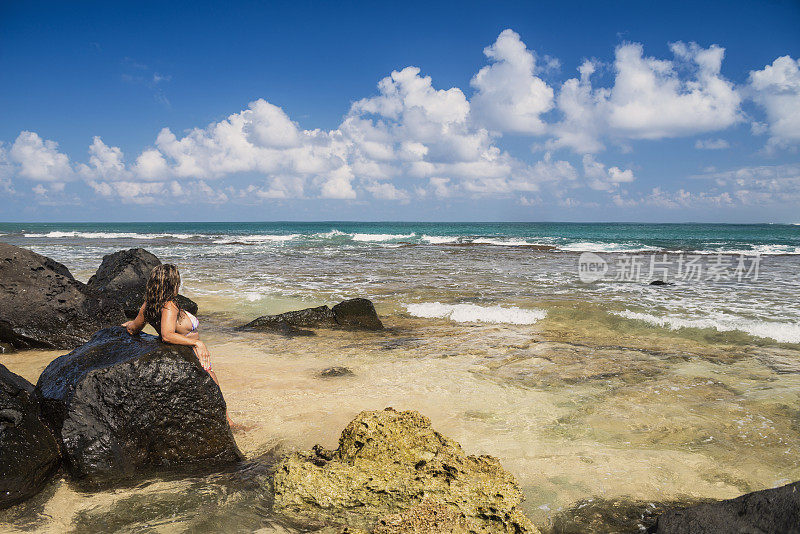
pixel 390 462
pixel 660 283
pixel 356 314
pixel 321 316
pixel 123 276
pixel 6 348
pixel 609 515
pixel 43 306
pixel 124 406
pixel 29 453
pixel 767 511
pixel 185 303
pixel 333 372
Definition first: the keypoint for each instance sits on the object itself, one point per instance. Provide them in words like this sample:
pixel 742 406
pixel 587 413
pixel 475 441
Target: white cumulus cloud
pixel 601 178
pixel 776 88
pixel 510 97
pixel 650 98
pixel 412 137
pixel 39 159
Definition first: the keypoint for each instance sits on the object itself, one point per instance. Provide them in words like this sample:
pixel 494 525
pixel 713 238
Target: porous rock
pixel 387 463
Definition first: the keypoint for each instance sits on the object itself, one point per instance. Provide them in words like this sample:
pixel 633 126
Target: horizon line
pixel 342 221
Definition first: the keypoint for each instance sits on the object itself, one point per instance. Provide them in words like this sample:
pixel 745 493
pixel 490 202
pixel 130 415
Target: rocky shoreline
pixel 118 409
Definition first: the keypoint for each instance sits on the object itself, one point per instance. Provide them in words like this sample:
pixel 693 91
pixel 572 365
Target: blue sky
pixel 573 111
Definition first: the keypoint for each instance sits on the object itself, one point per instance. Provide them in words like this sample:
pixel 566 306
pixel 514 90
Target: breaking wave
pixel 472 313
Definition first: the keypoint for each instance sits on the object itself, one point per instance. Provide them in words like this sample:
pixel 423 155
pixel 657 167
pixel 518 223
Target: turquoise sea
pixel 597 237
pixel 428 268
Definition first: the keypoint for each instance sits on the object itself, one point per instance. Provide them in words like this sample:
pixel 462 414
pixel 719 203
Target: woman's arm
pixel 135 326
pixel 169 318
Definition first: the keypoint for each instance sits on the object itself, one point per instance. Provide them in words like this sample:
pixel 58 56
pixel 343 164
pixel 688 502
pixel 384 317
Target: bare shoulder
pixel 169 307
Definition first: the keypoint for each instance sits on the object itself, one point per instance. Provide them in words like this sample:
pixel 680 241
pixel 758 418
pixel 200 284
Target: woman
pixel 162 312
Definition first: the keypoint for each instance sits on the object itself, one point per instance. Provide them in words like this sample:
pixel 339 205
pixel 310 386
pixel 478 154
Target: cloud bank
pixel 413 140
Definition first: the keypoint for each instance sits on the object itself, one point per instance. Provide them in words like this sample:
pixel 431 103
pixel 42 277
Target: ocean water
pixel 417 267
pixel 607 397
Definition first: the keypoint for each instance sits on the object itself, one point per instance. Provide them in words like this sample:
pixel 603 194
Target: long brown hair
pixel 162 287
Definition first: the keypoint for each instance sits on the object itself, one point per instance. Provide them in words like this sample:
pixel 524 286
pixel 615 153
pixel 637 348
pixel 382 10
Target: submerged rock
pixel 767 511
pixel 123 406
pixel 357 314
pixel 123 276
pixel 29 453
pixel 621 514
pixel 660 283
pixel 43 306
pixel 387 463
pixel 333 372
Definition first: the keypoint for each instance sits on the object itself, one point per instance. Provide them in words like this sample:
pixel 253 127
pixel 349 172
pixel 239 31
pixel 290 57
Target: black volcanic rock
pixel 123 406
pixel 354 314
pixel 29 453
pixel 320 316
pixel 357 313
pixel 767 511
pixel 123 276
pixel 43 306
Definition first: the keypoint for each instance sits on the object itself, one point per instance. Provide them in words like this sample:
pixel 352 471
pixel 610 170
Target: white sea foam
pixel 329 235
pixel 438 239
pixel 381 237
pixel 500 242
pixel 763 250
pixel 472 313
pixel 780 332
pixel 587 246
pixel 256 238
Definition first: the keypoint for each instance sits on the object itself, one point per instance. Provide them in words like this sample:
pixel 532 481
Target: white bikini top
pixel 193 319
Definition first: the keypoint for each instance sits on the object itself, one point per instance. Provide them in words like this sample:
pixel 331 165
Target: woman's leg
pixel 210 371
pixel 214 378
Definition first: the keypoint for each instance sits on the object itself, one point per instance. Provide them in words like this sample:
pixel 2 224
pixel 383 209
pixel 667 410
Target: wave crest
pixel 780 332
pixel 473 313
